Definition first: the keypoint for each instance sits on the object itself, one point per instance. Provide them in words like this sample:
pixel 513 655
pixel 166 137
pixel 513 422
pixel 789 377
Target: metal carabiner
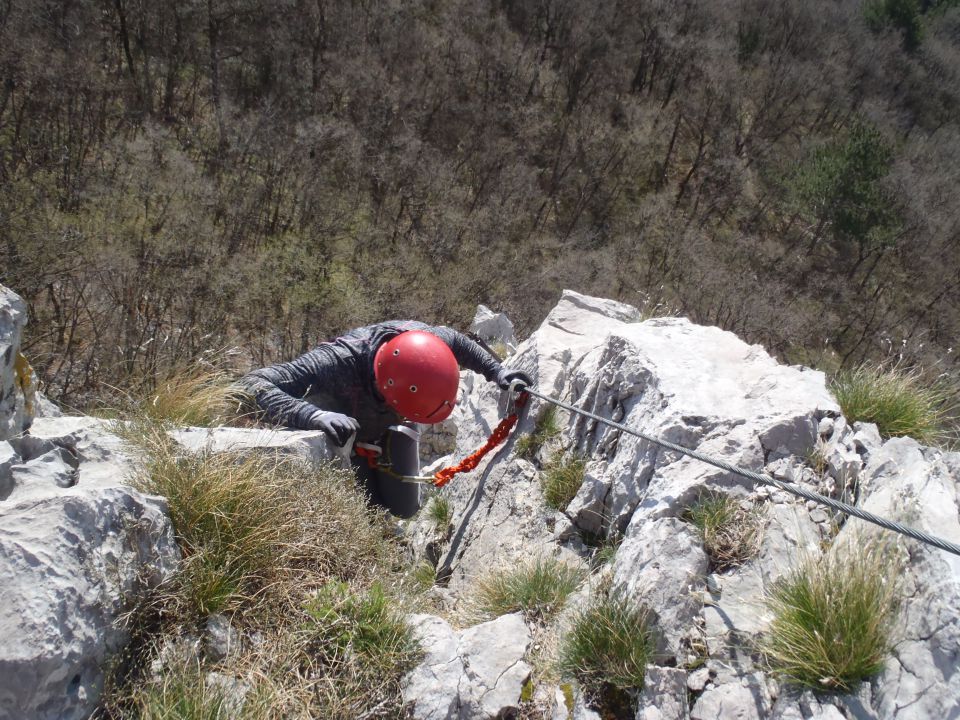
pixel 513 392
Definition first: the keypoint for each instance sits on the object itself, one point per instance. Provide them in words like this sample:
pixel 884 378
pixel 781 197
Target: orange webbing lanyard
pixel 500 433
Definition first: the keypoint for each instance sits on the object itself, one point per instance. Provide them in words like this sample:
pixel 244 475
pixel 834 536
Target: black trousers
pixel 401 452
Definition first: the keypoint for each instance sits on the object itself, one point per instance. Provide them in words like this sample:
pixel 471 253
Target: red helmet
pixel 418 376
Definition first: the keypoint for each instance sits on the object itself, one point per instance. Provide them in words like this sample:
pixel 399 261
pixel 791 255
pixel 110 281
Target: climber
pixel 375 384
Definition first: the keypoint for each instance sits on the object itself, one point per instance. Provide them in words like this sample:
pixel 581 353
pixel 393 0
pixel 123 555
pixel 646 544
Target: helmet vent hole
pixel 413 388
pixel 390 381
pixel 396 351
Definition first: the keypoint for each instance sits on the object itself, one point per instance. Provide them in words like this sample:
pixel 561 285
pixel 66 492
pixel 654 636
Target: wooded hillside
pixel 182 176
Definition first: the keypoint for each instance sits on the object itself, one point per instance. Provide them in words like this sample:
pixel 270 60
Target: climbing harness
pixel 376 459
pixel 761 478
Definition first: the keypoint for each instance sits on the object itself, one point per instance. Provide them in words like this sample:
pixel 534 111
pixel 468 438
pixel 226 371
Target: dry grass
pixel 834 617
pixel 537 588
pixel 252 526
pixel 607 651
pixel 294 557
pixel 899 400
pixel 195 396
pixel 730 533
pixel 545 430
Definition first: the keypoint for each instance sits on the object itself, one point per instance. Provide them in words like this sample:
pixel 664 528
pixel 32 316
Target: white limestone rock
pixel 746 699
pixel 921 487
pixel 17 381
pixel 664 695
pixel 493 327
pixel 475 673
pixel 72 559
pixel 661 565
pixel 310 445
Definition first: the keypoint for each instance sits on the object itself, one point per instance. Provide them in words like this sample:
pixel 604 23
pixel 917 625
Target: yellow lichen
pixel 25 379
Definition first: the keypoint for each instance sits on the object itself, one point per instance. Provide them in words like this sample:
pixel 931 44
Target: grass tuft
pixel 183 692
pixel 562 478
pixel 538 589
pixel 897 399
pixel 345 624
pixel 546 428
pixel 608 648
pixel 255 527
pixel 730 534
pixel 440 512
pixel 834 616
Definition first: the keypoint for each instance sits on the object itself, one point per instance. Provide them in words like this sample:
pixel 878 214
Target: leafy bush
pixel 608 647
pixel 537 588
pixel 730 534
pixel 896 399
pixel 561 479
pixel 834 617
pixel 546 428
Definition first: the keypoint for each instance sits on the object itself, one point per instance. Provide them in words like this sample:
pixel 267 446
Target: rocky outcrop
pixel 493 327
pixel 919 486
pixel 77 547
pixel 474 673
pixel 78 544
pixel 17 382
pixel 705 389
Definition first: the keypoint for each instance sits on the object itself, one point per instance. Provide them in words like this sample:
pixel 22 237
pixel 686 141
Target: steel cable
pixel 761 478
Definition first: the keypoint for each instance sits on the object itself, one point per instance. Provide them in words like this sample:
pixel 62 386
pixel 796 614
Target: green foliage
pixel 834 617
pixel 897 399
pixel 546 429
pixel 608 646
pixel 840 188
pixel 440 512
pixel 903 15
pixel 537 588
pixel 424 575
pixel 368 626
pixel 561 478
pixel 730 534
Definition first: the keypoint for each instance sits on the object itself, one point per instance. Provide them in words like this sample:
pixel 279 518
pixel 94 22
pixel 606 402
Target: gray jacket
pixel 338 376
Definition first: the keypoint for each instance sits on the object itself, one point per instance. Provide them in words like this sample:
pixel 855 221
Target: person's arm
pixel 279 389
pixel 468 353
pixel 473 356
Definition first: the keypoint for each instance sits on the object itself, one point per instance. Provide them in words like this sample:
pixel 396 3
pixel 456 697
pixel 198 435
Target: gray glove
pixel 505 377
pixel 337 426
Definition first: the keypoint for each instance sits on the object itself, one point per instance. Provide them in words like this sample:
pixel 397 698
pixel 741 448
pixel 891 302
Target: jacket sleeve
pixel 469 353
pixel 279 389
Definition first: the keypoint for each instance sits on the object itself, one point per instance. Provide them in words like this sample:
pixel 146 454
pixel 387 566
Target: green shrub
pixel 562 478
pixel 609 646
pixel 896 399
pixel 546 428
pixel 730 534
pixel 834 617
pixel 537 588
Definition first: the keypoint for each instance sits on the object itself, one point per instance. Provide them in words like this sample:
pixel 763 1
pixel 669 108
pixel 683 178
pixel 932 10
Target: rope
pixel 499 434
pixel 763 478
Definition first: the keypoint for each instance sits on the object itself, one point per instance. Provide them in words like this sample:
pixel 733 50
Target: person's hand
pixel 505 377
pixel 337 426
